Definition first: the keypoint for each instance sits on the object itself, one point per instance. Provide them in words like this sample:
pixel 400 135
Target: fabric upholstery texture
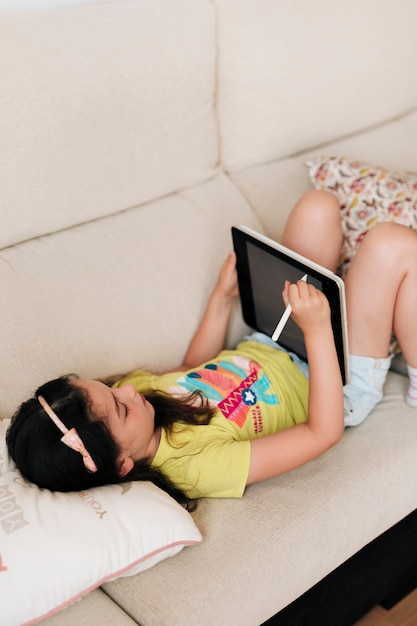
pixel 327 502
pixel 134 133
pixel 273 188
pixel 101 285
pixel 97 608
pixel 70 153
pixel 293 75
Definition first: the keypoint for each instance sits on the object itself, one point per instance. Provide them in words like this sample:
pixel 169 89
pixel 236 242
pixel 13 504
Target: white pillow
pixel 56 547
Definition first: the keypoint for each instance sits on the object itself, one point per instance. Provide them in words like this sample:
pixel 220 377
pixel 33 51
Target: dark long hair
pixel 34 443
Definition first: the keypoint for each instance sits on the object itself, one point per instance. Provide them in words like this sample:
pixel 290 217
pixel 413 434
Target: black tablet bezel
pixel 330 287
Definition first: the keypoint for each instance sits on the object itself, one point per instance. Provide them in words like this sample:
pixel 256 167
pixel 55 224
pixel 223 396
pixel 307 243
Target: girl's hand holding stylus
pixel 287 449
pixel 310 307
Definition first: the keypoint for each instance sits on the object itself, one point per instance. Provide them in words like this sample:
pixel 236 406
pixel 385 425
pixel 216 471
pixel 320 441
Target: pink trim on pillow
pixel 107 578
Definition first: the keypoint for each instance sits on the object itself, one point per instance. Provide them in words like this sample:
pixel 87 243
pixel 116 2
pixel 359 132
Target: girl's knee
pixel 320 198
pixel 392 236
pixel 318 205
pixel 392 229
pixel 314 228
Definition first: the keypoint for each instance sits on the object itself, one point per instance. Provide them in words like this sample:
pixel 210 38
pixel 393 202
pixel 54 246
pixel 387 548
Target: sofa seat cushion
pixel 95 608
pixel 294 529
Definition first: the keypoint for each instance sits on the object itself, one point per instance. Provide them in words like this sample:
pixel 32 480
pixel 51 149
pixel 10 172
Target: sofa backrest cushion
pixel 293 75
pixel 103 107
pixel 118 293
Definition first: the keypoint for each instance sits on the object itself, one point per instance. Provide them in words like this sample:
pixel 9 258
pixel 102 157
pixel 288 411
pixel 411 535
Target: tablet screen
pixel 268 275
pixel 263 266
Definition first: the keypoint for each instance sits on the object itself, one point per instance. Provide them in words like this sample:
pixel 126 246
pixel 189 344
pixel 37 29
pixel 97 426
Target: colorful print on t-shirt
pixel 234 386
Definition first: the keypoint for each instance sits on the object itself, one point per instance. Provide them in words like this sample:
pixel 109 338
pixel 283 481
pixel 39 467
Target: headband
pixel 71 438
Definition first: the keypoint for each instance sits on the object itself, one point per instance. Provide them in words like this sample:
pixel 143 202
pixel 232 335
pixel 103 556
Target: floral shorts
pixel 368 195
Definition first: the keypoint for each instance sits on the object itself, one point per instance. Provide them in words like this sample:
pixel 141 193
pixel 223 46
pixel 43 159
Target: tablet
pixel 263 266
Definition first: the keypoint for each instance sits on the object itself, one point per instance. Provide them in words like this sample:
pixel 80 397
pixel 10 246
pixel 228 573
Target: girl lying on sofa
pixel 227 418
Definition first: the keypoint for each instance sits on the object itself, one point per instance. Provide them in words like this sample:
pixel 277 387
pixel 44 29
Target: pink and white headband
pixel 70 437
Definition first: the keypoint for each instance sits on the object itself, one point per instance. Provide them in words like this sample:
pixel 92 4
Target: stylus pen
pixel 284 318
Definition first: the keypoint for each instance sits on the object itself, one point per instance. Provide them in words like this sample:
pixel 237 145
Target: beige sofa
pixel 134 133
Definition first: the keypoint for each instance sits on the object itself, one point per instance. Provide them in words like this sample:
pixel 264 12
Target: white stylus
pixel 284 318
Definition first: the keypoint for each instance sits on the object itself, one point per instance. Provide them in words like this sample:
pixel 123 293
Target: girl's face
pixel 129 417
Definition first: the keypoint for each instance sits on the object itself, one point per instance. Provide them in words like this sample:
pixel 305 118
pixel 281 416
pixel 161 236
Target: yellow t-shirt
pixel 256 390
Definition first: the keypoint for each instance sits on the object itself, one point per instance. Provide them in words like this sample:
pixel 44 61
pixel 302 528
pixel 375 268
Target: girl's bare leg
pixel 381 292
pixel 313 228
pixel 381 297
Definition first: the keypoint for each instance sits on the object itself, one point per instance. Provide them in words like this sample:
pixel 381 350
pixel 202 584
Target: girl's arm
pixel 285 450
pixel 210 336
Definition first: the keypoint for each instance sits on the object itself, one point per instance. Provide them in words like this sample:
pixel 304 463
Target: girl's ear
pixel 126 466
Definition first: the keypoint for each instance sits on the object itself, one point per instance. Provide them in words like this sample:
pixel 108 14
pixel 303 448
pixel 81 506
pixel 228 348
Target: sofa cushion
pixel 273 188
pixel 260 553
pixel 294 75
pixel 103 107
pixel 368 194
pixel 95 608
pixel 115 294
pixel 56 547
